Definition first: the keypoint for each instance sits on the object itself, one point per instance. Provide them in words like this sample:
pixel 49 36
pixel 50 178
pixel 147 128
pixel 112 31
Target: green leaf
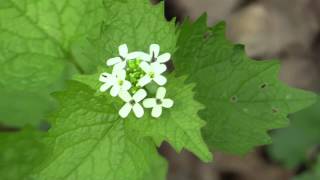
pixel 135 23
pixel 37 51
pixel 138 24
pixel 243 98
pixel 179 125
pixel 88 140
pixel 18 151
pixel 303 129
pixel 159 169
pixel 21 107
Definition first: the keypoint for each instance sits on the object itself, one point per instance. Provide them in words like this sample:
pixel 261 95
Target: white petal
pixel 136 55
pixel 112 80
pixel 113 61
pixel 161 93
pixel 121 74
pixel 145 66
pixel 126 86
pixel 119 66
pixel 138 110
pixel 154 50
pixel 144 56
pixel 125 110
pixel 156 111
pixel 164 58
pixel 115 90
pixel 149 103
pixel 158 68
pixel 125 96
pixel 115 70
pixel 123 50
pixel 105 87
pixel 167 103
pixel 161 80
pixel 138 96
pixel 144 80
pixel 105 77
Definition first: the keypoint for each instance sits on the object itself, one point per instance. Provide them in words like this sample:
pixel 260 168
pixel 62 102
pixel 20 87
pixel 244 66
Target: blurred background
pixel 271 29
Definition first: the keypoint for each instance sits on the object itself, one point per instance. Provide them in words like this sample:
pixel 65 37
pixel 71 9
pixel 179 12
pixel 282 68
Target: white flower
pixel 121 61
pixel 157 103
pixel 154 56
pixel 116 80
pixel 153 73
pixel 132 103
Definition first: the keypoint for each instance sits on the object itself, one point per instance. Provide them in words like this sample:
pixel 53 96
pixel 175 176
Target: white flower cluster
pixel 131 73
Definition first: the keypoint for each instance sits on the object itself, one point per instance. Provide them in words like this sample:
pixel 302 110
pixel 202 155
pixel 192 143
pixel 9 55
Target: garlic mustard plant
pixel 216 97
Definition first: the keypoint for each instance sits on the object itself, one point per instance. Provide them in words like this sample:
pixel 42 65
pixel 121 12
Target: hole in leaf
pixel 263 86
pixel 275 110
pixel 234 99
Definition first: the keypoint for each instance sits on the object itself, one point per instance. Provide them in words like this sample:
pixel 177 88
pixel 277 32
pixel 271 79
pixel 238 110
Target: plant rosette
pixel 131 74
